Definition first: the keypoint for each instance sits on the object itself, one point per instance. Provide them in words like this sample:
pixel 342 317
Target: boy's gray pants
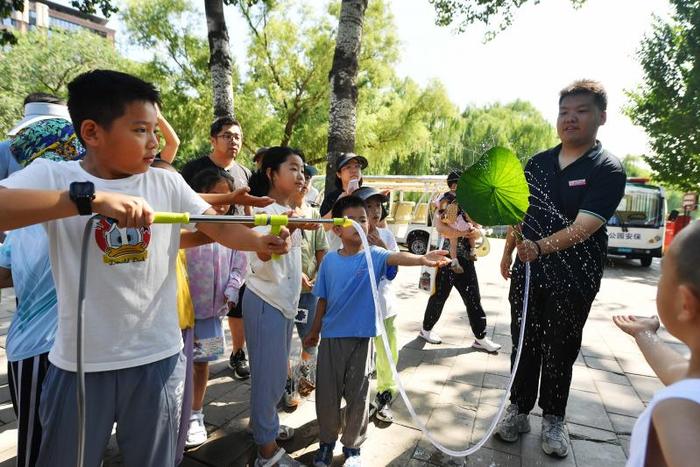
pixel 343 372
pixel 145 402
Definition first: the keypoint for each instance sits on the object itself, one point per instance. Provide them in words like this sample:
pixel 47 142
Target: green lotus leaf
pixel 494 190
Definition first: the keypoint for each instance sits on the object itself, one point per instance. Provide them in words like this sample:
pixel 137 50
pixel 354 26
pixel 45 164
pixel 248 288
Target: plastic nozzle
pixel 342 222
pixel 171 218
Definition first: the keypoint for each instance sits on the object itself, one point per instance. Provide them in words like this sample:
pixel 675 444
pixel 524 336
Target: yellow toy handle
pixel 171 218
pixel 342 222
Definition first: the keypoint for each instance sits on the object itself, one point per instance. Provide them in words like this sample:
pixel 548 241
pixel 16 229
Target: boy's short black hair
pixel 687 256
pixel 43 97
pixel 345 203
pixel 102 96
pixel 220 123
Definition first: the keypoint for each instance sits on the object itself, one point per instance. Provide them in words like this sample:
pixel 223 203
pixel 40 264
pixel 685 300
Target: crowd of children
pixel 158 293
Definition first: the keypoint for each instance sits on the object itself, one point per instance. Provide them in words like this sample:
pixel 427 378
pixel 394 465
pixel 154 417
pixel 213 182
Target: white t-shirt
pixel 334 241
pixel 384 288
pixel 130 301
pixel 277 281
pixel 684 389
pixel 312 195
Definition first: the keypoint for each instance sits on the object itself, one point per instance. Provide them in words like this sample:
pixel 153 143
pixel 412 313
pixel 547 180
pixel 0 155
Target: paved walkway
pixel 454 388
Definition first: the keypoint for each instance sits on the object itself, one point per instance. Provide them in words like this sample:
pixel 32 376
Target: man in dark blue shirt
pixel 575 188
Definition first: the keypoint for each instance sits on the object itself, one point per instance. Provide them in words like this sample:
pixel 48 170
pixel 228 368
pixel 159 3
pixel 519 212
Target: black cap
pixel 454 176
pixel 310 170
pixel 367 192
pixel 348 156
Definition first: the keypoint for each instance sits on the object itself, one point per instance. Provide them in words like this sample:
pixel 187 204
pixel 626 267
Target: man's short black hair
pixel 102 96
pixel 43 97
pixel 345 203
pixel 587 87
pixel 220 123
pixel 686 248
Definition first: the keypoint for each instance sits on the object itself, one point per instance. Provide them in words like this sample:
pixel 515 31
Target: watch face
pixel 82 193
pixel 82 189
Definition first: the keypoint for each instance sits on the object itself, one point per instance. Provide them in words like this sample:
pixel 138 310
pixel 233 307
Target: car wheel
pixel 418 245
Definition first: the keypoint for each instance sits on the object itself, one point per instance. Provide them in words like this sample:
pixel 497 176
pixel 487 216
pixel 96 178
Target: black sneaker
pixel 239 364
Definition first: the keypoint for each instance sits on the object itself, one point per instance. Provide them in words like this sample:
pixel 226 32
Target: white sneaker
pixel 430 337
pixel 486 344
pixel 279 459
pixel 197 432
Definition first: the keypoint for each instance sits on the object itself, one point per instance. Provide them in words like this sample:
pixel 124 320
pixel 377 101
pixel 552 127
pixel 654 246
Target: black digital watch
pixel 82 194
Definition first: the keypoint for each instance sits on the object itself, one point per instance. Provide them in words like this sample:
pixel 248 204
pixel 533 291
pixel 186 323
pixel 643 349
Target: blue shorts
pixel 208 340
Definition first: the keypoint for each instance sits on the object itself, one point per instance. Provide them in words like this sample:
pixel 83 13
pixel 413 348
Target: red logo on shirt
pixel 581 182
pixel 122 245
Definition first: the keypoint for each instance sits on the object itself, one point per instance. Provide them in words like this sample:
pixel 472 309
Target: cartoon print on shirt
pixel 122 245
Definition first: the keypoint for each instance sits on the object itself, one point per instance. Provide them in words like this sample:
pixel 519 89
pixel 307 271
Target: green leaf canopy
pixel 494 190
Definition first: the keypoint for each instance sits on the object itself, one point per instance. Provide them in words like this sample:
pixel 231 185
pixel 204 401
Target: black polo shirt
pixel 593 184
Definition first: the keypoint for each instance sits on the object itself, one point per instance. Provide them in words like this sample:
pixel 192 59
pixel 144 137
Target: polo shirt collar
pixel 592 153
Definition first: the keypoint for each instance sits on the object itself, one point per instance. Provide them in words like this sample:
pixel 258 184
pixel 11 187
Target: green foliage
pixel 179 67
pixel 667 103
pixel 634 166
pixel 6 7
pixel 91 6
pixel 283 97
pixel 456 143
pixel 40 62
pixel 466 12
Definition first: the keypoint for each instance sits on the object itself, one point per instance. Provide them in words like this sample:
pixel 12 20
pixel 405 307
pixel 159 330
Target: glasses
pixel 229 137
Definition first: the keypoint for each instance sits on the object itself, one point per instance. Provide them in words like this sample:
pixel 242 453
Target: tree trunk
pixel 219 58
pixel 343 76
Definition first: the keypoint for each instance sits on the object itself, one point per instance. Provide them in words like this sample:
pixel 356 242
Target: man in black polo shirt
pixel 226 142
pixel 574 189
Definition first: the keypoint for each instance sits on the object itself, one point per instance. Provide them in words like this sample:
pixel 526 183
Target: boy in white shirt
pixel 133 360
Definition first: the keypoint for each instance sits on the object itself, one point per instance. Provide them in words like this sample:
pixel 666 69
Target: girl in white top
pixel 668 431
pixel 270 304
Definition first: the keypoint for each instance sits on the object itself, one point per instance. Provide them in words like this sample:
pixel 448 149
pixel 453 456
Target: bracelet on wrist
pixel 539 249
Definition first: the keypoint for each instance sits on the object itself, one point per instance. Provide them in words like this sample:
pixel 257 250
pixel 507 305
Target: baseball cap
pixel 348 156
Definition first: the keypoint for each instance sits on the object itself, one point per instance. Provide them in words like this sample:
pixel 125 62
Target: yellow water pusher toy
pixel 275 221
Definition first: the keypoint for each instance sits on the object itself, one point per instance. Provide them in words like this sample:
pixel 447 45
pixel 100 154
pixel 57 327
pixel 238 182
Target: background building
pixel 54 16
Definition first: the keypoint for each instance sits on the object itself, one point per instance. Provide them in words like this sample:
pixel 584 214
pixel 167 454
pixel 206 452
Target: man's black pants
pixel 556 314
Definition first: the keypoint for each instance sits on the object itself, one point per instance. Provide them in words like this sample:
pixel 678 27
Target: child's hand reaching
pixel 435 258
pixel 311 339
pixel 242 198
pixel 306 282
pixel 304 226
pixel 374 239
pixel 635 325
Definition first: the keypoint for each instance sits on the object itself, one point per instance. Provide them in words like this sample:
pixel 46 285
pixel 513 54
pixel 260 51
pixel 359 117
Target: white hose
pixel 397 378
